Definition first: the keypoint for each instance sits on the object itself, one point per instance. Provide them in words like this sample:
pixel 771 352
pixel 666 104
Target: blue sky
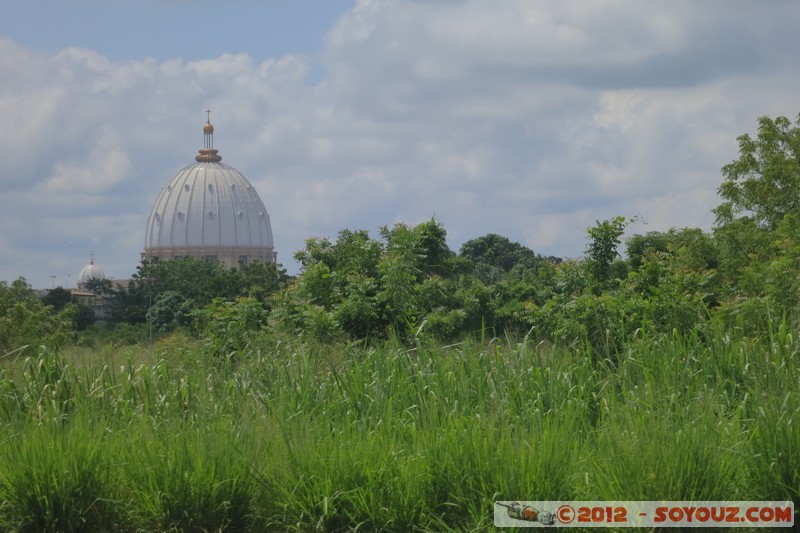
pixel 169 29
pixel 528 119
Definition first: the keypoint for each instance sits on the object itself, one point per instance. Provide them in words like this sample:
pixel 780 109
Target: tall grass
pixel 303 437
pixel 188 479
pixel 56 479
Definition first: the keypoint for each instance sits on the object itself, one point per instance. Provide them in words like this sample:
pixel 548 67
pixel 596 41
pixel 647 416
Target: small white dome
pixel 91 271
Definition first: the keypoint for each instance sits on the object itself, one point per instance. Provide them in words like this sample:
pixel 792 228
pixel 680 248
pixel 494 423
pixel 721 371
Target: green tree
pixel 694 248
pixel 521 292
pixel 173 289
pixel 99 286
pixel 364 288
pixel 193 278
pixel 414 255
pixel 228 326
pixel 763 184
pixel 336 290
pixel 423 247
pixel 26 320
pixel 437 258
pixel 353 252
pixel 259 280
pixel 128 305
pixel 494 256
pixel 601 251
pixel 57 298
pixel 84 317
pixel 757 219
pixel 170 310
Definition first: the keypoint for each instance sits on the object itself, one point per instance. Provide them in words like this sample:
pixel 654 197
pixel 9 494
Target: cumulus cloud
pixel 529 119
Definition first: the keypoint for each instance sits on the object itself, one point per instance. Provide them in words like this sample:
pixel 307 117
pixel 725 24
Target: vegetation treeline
pixel 408 282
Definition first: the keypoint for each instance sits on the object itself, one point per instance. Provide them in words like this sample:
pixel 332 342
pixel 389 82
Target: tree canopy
pixel 763 184
pixel 26 320
pixel 494 256
pixel 756 231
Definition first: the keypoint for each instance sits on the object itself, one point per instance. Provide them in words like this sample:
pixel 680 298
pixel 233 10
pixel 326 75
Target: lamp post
pixel 53 280
pixel 149 309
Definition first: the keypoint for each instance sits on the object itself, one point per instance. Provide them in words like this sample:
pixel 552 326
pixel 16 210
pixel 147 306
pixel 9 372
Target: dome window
pixel 186 187
pixel 211 215
pixel 210 188
pixel 240 214
pixel 180 215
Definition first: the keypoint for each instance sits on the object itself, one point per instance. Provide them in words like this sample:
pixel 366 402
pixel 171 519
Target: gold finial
pixel 208 154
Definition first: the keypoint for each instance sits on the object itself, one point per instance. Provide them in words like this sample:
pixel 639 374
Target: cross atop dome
pixel 208 129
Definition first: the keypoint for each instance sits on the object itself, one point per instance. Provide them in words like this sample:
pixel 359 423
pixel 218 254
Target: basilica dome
pixel 209 210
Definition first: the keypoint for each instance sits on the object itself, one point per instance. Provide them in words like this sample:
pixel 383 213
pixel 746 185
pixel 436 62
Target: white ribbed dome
pixel 209 209
pixel 91 271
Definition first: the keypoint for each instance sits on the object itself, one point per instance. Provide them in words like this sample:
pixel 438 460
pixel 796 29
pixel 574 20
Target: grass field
pixel 290 436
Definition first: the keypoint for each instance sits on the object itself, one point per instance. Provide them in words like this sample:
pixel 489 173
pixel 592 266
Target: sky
pixel 533 119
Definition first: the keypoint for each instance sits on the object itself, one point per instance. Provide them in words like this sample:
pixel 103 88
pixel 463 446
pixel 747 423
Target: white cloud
pixel 529 119
pixel 105 168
